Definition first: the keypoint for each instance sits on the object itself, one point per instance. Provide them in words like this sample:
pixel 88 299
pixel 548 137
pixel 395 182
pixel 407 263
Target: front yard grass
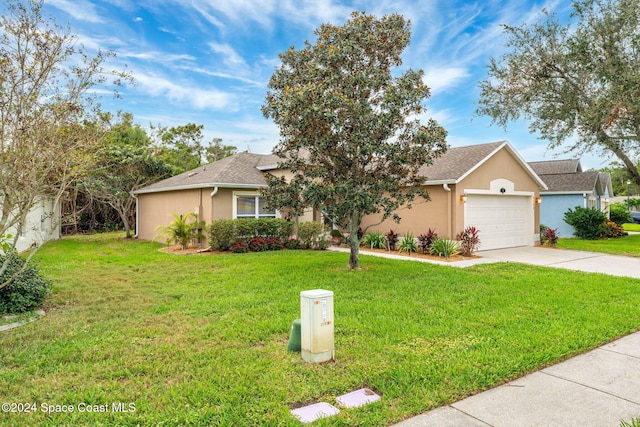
pixel 631 227
pixel 201 339
pixel 627 245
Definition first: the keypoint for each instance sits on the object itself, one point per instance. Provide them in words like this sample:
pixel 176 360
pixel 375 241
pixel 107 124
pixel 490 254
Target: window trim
pixel 256 196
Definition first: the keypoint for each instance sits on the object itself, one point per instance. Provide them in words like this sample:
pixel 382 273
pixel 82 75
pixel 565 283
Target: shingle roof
pixel 246 169
pixel 556 166
pixel 457 161
pixel 571 182
pixel 239 170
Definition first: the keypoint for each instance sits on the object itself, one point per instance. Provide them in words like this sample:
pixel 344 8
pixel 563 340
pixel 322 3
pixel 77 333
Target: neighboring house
pixel 225 189
pixel 568 186
pixel 42 225
pixel 488 186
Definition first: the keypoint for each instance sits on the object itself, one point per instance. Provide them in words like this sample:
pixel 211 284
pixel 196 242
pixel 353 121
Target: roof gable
pixel 578 182
pixel 459 162
pixel 556 166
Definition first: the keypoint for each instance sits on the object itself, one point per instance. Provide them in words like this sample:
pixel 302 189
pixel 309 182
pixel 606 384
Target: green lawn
pixel 201 340
pixel 631 227
pixel 627 246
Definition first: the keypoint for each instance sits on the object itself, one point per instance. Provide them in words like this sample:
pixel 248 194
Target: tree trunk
pixel 631 168
pixel 354 243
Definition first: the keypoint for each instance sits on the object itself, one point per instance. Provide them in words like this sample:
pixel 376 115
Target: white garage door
pixel 503 221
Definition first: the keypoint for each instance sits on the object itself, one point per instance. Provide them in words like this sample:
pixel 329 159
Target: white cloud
pixel 229 56
pixel 137 19
pixel 179 94
pixel 439 79
pixel 81 10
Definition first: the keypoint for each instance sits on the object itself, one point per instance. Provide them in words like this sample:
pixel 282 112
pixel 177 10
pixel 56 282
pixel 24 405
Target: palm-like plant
pixel 183 230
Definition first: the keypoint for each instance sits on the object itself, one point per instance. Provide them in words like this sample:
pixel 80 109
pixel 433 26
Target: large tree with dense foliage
pixel 349 129
pixel 124 163
pixel 46 82
pixel 577 83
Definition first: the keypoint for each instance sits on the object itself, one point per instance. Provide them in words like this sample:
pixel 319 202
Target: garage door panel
pixel 503 221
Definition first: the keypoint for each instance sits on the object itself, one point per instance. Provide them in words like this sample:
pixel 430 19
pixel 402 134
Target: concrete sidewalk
pixel 598 388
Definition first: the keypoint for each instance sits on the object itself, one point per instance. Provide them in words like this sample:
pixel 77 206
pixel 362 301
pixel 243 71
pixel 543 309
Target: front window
pixel 252 206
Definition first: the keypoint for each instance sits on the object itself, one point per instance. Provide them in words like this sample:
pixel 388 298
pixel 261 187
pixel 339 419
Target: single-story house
pixel 568 186
pixel 488 186
pixel 42 224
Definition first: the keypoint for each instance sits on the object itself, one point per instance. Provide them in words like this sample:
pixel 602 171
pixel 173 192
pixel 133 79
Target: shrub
pixel 274 244
pixel 222 234
pixel 408 243
pixel 309 234
pixel 611 229
pixel 426 240
pixel 184 229
pixel 257 244
pixel 374 240
pixel 292 243
pixel 240 247
pixel 27 290
pixel 392 239
pixel 586 222
pixel 444 247
pixel 549 237
pixel 469 241
pixel 619 214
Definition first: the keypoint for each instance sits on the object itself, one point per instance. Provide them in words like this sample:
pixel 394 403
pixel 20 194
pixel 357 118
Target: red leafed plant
pixel 469 241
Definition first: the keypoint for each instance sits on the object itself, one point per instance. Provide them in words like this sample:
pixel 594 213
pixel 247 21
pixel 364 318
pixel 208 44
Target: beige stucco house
pixel 488 186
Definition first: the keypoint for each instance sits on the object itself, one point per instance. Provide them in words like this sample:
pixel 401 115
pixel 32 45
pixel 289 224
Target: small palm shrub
pixel 408 243
pixel 392 239
pixel 184 229
pixel 28 288
pixel 469 241
pixel 585 221
pixel 426 240
pixel 444 248
pixel 374 240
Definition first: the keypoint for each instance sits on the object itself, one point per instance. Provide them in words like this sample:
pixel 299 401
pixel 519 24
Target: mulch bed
pixel 177 250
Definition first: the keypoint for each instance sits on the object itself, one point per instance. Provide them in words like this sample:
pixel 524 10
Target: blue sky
pixel 209 61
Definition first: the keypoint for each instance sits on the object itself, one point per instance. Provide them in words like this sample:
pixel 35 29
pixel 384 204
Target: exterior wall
pixel 445 211
pixel 42 225
pixel 156 209
pixel 553 208
pixel 423 215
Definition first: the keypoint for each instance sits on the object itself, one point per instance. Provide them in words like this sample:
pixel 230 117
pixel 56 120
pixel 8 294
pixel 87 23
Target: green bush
pixel 586 222
pixel 222 234
pixel 27 290
pixel 374 240
pixel 408 243
pixel 619 214
pixel 309 234
pixel 444 247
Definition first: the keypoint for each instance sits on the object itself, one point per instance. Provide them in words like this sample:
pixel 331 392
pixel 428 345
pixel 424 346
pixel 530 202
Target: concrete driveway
pixel 591 262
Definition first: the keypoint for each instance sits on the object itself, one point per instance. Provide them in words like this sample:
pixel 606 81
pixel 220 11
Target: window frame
pixel 257 198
